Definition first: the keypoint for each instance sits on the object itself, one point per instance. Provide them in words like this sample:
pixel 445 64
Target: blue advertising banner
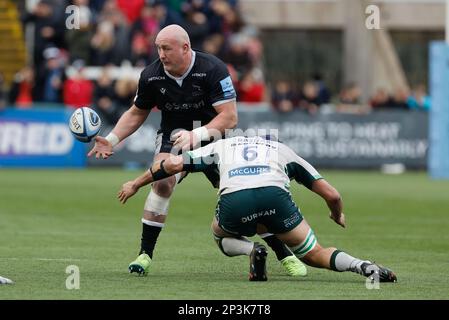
pixel 38 138
pixel 439 113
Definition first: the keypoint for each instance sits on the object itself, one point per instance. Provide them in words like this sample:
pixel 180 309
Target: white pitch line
pixel 43 259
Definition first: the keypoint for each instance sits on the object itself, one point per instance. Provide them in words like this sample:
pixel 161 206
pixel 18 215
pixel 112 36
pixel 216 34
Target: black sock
pixel 149 238
pixel 279 248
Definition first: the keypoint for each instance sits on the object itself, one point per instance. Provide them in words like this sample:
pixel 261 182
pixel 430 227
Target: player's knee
pixel 305 247
pixel 219 242
pixel 156 204
pixel 315 251
pixel 154 216
pixel 164 188
pixel 292 242
pixel 311 257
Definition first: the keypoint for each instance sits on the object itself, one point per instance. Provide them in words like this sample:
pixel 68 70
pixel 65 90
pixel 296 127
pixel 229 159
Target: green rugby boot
pixel 294 267
pixel 140 265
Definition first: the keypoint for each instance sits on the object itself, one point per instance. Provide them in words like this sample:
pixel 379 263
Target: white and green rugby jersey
pixel 252 162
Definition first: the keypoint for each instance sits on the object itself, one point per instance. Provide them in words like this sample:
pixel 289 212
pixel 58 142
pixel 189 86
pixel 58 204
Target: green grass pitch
pixel 52 219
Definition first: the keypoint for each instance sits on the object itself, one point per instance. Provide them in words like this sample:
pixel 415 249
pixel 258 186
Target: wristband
pixel 201 133
pixel 113 139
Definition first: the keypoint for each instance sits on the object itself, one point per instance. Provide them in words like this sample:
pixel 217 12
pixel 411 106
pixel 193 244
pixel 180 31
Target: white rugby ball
pixel 84 124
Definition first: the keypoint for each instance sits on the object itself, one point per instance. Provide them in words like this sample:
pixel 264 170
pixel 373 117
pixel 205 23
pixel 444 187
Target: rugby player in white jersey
pixel 255 175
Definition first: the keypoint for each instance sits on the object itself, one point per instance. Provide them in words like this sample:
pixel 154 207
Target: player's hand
pixel 338 218
pixel 128 190
pixel 101 148
pixel 184 140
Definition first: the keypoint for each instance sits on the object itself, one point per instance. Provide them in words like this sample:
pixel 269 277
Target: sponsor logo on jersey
pixel 163 90
pixel 199 74
pixel 156 78
pixel 196 90
pixel 248 171
pixel 184 106
pixel 227 87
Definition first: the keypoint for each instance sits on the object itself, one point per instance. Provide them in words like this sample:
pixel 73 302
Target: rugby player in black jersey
pixel 194 92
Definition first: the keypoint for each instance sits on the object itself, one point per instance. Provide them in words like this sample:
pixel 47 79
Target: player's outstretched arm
pixel 158 171
pixel 101 148
pixel 333 200
pixel 128 123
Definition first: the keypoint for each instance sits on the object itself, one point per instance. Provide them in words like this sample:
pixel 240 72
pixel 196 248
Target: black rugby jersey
pixel 207 83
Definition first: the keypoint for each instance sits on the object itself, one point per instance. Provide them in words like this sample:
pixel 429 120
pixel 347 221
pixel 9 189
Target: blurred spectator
pixel 283 97
pixel 238 54
pixel 232 21
pixel 143 34
pixel 139 51
pixel 254 46
pixel 103 43
pixel 164 15
pixel 419 99
pixel 380 99
pixel 251 87
pixel 111 42
pixel 48 29
pixel 23 90
pixel 78 91
pixel 175 5
pixel 213 44
pixel 116 31
pixel 216 9
pixel 350 94
pixel 309 100
pixel 125 91
pixel 399 99
pixel 131 8
pixel 197 27
pixel 50 78
pixel 96 5
pixel 324 95
pixel 104 102
pixel 78 40
pixel 349 100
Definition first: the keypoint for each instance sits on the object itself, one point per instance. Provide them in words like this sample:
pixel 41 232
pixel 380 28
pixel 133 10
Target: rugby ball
pixel 84 124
